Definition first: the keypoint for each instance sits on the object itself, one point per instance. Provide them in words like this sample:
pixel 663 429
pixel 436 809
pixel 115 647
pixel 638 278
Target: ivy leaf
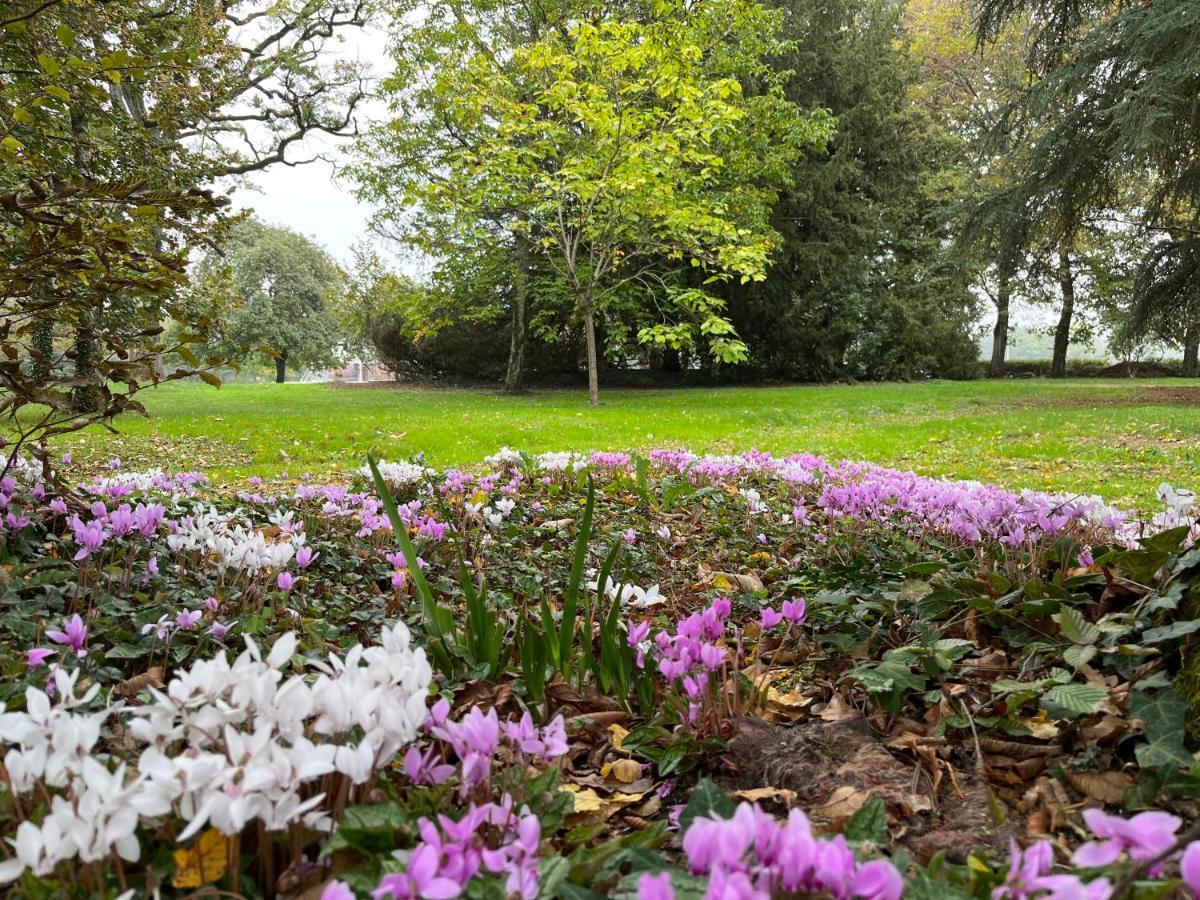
pixel 869 823
pixel 1164 715
pixel 1170 632
pixel 706 800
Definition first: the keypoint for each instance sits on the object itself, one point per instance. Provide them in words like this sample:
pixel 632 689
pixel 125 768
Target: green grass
pixel 1114 438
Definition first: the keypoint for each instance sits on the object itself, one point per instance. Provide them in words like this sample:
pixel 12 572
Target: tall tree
pixel 116 122
pixel 863 285
pixel 278 291
pixel 1124 75
pixel 622 146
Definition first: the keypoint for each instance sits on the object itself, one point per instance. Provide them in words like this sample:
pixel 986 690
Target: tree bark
pixel 1191 351
pixel 1062 334
pixel 42 347
pixel 281 367
pixel 589 327
pixel 515 374
pixel 1000 332
pixel 86 396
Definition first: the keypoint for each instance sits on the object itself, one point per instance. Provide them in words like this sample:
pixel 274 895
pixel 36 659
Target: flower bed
pixel 539 677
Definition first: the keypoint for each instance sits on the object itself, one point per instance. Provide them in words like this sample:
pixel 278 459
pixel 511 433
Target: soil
pixel 837 767
pixel 1137 370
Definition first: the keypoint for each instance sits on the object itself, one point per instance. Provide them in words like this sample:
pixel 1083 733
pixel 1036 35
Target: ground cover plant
pixel 573 675
pixel 1113 438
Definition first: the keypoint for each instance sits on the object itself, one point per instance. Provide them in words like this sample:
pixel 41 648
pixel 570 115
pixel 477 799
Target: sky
pixel 316 199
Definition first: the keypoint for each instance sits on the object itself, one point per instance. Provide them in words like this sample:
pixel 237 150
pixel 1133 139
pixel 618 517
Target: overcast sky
pixel 313 199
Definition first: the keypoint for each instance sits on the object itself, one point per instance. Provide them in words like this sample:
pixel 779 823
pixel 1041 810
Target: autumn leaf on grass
pixel 204 861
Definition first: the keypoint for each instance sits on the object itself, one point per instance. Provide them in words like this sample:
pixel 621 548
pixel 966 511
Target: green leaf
pixel 1080 699
pixel 706 800
pixel 1075 627
pixel 48 64
pixel 1164 715
pixel 1170 632
pixel 1077 656
pixel 869 823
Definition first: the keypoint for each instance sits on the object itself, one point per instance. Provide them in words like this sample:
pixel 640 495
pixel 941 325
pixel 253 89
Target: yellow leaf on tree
pixel 204 861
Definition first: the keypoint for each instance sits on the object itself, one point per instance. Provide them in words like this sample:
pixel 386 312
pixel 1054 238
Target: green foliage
pixel 621 147
pixel 115 122
pixel 276 290
pixel 1124 139
pixel 865 284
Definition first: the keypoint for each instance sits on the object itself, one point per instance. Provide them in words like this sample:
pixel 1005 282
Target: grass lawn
pixel 1115 438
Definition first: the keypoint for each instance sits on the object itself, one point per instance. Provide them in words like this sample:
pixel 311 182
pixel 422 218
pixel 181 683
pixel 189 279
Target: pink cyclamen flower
pixel 878 880
pixel 162 628
pixel 793 611
pixel 219 630
pixel 187 618
pixel 305 557
pixel 427 767
pixel 664 533
pixel 36 656
pixel 286 581
pixel 629 535
pixel 1189 867
pixel 655 887
pixel 770 618
pixel 1144 837
pixel 58 505
pixel 337 890
pixel 211 604
pixel 73 634
pixel 89 536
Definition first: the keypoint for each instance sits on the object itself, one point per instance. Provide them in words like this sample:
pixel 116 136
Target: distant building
pixel 354 371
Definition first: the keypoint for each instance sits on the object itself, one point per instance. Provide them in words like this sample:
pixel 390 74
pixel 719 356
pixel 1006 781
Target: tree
pixel 863 284
pixel 279 289
pixel 621 146
pixel 115 122
pixel 1124 75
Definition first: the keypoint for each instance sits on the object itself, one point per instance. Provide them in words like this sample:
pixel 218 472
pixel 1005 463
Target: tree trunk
pixel 1191 352
pixel 42 351
pixel 589 327
pixel 1062 334
pixel 1000 332
pixel 520 330
pixel 281 367
pixel 86 396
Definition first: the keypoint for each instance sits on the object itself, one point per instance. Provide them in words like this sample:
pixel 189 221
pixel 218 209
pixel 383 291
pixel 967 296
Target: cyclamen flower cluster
pixel 754 856
pixel 695 652
pixel 235 544
pixel 489 836
pixel 225 744
pixel 451 853
pixel 399 475
pixel 150 481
